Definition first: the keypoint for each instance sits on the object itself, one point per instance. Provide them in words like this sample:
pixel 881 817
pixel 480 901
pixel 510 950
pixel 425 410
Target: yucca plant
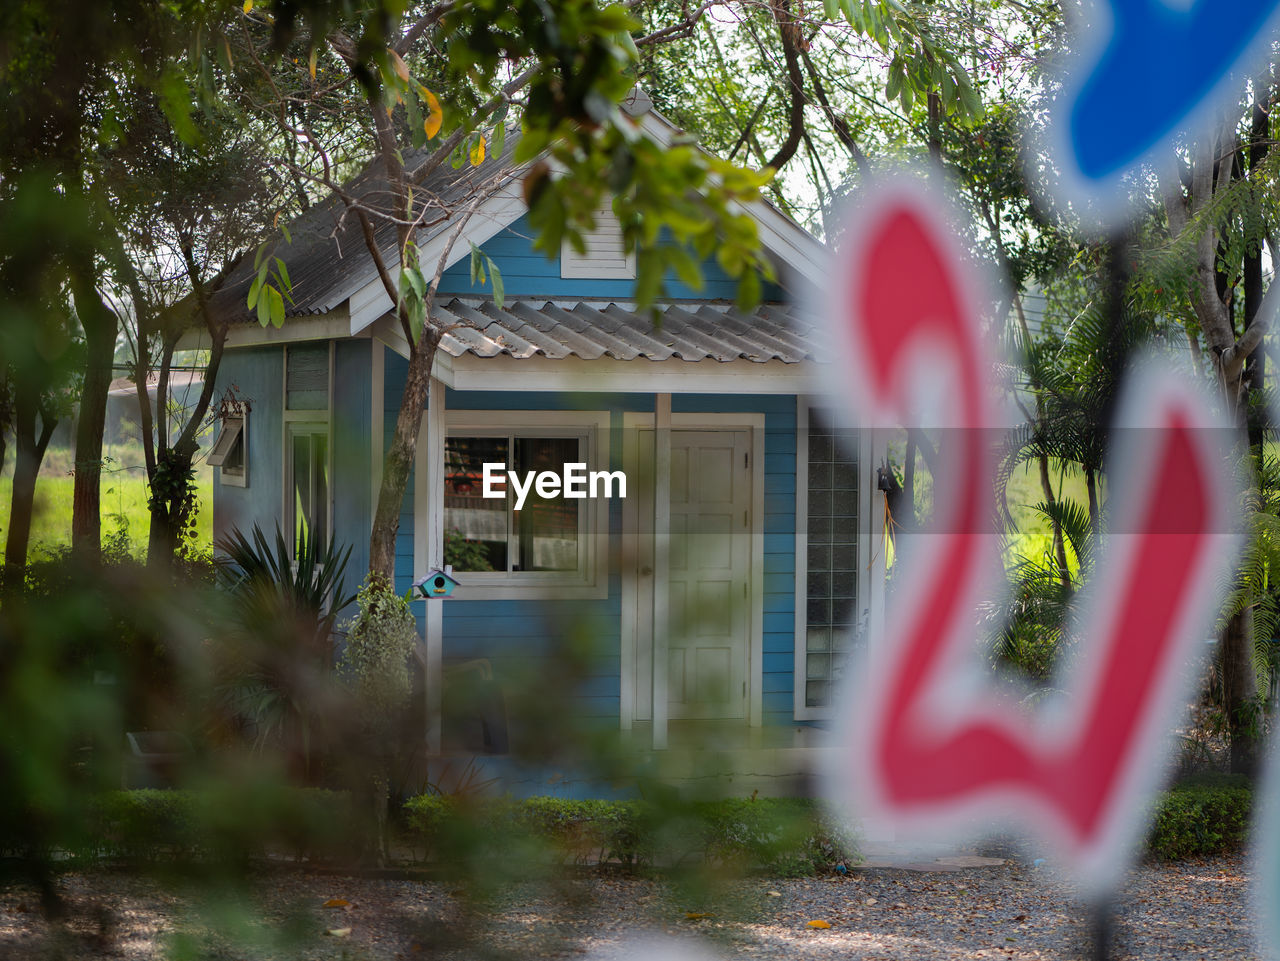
pixel 278 648
pixel 308 580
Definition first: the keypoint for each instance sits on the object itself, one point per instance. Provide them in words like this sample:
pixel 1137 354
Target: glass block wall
pixel 832 588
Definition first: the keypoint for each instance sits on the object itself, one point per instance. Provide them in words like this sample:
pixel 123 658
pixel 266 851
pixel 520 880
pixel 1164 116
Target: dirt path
pixel 1192 910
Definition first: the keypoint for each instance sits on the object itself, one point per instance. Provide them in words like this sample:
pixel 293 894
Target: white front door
pixel 708 620
pixel 710 567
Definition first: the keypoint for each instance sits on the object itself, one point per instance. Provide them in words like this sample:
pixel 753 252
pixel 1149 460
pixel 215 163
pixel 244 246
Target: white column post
pixel 661 563
pixel 434 551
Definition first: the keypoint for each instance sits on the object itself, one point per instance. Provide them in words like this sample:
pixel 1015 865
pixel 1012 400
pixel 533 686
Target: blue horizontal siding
pixel 512 633
pixel 531 273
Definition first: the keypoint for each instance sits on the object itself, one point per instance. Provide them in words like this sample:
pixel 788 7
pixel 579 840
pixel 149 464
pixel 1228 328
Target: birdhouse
pixel 437 584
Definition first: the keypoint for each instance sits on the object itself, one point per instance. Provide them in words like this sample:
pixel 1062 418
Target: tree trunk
pixel 160 540
pixel 100 328
pixel 1095 522
pixel 1240 692
pixel 1059 542
pixel 31 447
pixel 399 460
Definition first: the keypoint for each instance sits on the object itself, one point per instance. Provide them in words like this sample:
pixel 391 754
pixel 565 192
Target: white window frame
pixel 591 579
pixel 576 266
pixel 299 421
pixel 866 601
pixel 231 476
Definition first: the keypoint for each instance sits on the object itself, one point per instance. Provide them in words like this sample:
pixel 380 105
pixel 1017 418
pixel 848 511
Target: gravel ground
pixel 1190 910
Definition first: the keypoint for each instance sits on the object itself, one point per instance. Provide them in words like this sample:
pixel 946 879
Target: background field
pixel 124 500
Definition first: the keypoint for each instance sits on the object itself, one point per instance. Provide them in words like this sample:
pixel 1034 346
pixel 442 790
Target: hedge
pixel 147 825
pixel 786 836
pixel 1208 815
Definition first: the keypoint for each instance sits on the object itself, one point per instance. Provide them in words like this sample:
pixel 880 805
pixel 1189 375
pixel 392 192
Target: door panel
pixel 710 564
pixel 709 554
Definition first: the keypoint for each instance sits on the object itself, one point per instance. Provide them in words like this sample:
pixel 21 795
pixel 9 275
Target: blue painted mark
pixel 1156 69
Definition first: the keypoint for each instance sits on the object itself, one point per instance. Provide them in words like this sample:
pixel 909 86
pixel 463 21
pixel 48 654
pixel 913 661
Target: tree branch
pixel 789 31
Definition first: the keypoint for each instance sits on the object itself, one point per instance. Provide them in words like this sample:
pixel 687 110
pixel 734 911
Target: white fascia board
pixel 386 330
pixel 612 376
pixel 370 301
pixel 296 329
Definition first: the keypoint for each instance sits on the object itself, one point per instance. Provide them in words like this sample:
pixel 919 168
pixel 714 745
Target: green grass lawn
pixel 124 501
pixel 1033 537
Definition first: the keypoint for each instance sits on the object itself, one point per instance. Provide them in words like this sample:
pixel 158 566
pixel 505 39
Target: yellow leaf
pixel 819 924
pixel 695 916
pixel 248 6
pixel 338 932
pixel 336 903
pixel 435 116
pixel 398 65
pixel 477 152
pixel 311 64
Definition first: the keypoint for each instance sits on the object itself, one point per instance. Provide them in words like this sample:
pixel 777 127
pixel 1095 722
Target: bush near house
pixel 787 836
pixel 778 836
pixel 1208 815
pixel 148 826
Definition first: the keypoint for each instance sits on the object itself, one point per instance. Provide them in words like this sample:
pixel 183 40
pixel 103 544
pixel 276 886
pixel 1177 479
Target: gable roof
pixel 329 264
pixel 327 257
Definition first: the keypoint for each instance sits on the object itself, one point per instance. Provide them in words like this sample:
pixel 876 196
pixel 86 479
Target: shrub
pixel 780 836
pixel 1209 815
pixel 148 826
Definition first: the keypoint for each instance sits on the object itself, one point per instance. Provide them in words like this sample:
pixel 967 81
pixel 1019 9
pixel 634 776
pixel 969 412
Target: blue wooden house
pixel 721 590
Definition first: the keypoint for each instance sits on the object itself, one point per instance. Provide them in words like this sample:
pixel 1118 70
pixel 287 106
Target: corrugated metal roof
pixel 328 255
pixel 682 331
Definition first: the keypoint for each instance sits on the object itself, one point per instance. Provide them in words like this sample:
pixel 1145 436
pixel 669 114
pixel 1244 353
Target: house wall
pixel 519 636
pixel 256 375
pixel 530 273
pixel 349 430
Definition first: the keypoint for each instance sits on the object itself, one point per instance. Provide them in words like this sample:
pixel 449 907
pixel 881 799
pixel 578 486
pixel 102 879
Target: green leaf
pixel 416 281
pixel 284 229
pixel 499 138
pixel 277 307
pixel 831 8
pixel 475 264
pixel 749 290
pixel 969 97
pixel 499 289
pixel 264 309
pixel 649 271
pixel 532 142
pixel 254 290
pixel 894 86
pixel 175 101
pixel 686 268
pixel 284 274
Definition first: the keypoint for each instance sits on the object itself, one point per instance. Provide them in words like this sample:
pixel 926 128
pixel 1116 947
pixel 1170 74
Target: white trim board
pixel 754 422
pixel 368 300
pixel 295 329
pixel 605 375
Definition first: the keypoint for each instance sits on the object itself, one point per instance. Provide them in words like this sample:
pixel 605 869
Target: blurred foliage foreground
pixel 273 755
